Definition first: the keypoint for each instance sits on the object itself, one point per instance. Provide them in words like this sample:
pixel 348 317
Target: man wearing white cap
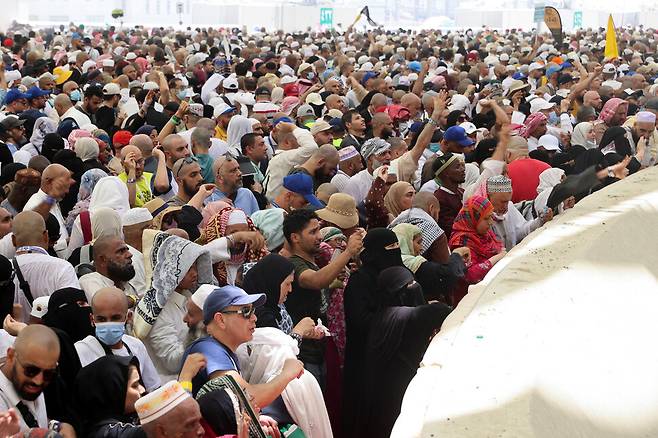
pixel 349 165
pixel 229 315
pixel 376 152
pixel 109 314
pixel 107 116
pixel 547 143
pixel 134 222
pixel 169 411
pixel 642 128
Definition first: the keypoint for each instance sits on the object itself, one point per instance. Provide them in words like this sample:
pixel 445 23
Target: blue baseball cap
pixel 35 92
pixel 302 184
pixel 415 66
pixel 518 76
pixel 282 120
pixel 458 135
pixel 550 71
pixel 14 94
pixel 226 296
pixel 368 75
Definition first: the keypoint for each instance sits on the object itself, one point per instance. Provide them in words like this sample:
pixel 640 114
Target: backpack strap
pixel 85 224
pixel 25 287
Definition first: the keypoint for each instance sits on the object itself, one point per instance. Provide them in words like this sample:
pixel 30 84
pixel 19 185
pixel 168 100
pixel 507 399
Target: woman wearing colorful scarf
pixel 437 279
pixel 472 229
pixel 228 221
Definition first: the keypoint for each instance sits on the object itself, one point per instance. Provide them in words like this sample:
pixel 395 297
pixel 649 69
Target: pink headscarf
pixel 143 64
pixel 439 81
pixel 289 103
pixel 531 124
pixel 212 209
pixel 75 135
pixel 609 109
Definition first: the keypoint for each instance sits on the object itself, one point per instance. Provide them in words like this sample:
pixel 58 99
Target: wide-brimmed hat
pixel 340 210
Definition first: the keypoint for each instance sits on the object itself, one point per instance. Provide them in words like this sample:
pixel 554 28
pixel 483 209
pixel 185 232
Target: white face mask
pixel 499 217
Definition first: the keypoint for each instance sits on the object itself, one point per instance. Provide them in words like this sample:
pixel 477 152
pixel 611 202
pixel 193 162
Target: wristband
pixel 131 181
pixel 297 337
pixel 187 385
pixel 175 120
pixel 432 122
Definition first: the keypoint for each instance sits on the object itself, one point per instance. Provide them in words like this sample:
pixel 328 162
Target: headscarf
pixel 237 128
pixel 464 230
pixel 100 390
pixel 531 123
pixel 419 217
pixel 42 127
pixel 394 195
pixel 270 223
pixel 105 222
pixel 289 104
pixel 75 135
pixel 65 314
pixel 86 148
pixel 262 359
pixel 216 228
pixel 548 179
pixel 266 277
pixel 211 209
pixel 51 144
pixel 580 133
pixel 375 256
pixel 609 109
pixel 406 234
pixel 110 192
pixel 167 260
pixel 88 182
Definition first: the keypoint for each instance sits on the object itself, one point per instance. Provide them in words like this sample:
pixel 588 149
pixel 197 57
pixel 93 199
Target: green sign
pixel 539 14
pixel 327 17
pixel 578 19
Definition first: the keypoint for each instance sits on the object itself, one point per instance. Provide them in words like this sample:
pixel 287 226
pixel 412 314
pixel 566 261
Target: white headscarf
pixel 237 128
pixel 42 127
pixel 548 179
pixel 580 133
pixel 86 148
pixel 261 360
pixel 105 223
pixel 110 192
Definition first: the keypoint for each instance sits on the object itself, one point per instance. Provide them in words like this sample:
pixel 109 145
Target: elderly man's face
pixel 644 129
pixel 500 201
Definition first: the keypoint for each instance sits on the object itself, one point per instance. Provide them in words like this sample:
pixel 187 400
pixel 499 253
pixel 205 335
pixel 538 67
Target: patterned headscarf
pixel 464 230
pixel 609 109
pixel 531 123
pixel 215 229
pixel 75 135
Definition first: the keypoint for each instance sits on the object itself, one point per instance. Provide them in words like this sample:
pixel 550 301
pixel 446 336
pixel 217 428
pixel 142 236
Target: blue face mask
pixel 76 96
pixel 110 333
pixel 553 119
pixel 434 147
pixel 182 94
pixel 310 76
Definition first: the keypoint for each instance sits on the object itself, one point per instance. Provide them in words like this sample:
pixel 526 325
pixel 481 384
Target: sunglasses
pixel 246 311
pixel 32 371
pixel 187 160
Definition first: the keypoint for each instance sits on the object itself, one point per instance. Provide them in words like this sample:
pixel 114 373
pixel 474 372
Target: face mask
pixel 109 333
pixel 591 144
pixel 499 217
pixel 182 94
pixel 434 147
pixel 75 96
pixel 310 76
pixel 553 119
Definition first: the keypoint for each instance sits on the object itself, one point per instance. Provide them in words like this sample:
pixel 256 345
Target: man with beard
pixel 643 128
pixel 114 268
pixel 12 131
pixel 376 152
pixel 254 147
pixel 109 314
pixel 449 172
pixel 93 98
pixel 322 165
pixel 228 184
pixel 301 228
pixel 30 367
pixel 138 181
pixel 382 126
pixel 189 179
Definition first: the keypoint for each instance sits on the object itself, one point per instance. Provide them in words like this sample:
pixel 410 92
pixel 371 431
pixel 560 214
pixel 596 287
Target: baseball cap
pixel 535 66
pixel 14 94
pixel 226 296
pixel 230 83
pixel 550 71
pixel 414 66
pixel 609 68
pixel 468 127
pixel 315 99
pixel 302 184
pixel 108 63
pixel 150 85
pixel 111 89
pixel 262 91
pixel 549 142
pixel 35 92
pixel 458 135
pixel 305 110
pixel 11 122
pixel 222 109
pixel 539 104
pixel 320 126
pixel 369 75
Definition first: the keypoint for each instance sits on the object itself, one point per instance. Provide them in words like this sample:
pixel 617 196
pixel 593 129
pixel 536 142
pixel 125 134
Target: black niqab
pixel 265 278
pixel 65 314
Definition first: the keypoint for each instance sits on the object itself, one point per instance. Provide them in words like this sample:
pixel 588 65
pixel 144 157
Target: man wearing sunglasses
pixel 229 315
pixel 30 367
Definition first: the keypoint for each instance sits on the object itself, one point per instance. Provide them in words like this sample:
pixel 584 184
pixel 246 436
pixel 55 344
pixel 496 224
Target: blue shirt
pixel 218 358
pixel 244 200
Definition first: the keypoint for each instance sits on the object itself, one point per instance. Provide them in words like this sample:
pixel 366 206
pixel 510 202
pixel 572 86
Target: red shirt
pixel 524 173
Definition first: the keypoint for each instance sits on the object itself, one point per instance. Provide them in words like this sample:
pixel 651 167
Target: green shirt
pixel 142 188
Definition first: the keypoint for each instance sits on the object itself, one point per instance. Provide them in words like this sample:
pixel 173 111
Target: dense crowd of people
pixel 209 232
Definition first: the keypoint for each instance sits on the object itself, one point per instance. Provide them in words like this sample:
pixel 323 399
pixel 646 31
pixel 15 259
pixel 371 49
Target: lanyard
pixel 28 249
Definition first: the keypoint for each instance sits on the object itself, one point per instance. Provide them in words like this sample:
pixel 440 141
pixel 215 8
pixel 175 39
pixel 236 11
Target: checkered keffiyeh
pixel 374 146
pixel 531 124
pixel 609 109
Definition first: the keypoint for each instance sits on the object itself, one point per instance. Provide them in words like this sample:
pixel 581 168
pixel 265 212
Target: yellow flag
pixel 611 50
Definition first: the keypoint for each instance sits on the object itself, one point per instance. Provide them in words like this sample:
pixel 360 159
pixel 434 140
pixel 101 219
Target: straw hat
pixel 340 211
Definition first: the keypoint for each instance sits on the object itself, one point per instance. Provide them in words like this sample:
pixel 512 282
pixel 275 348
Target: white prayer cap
pixel 156 404
pixel 199 297
pixel 645 116
pixel 237 217
pixel 136 216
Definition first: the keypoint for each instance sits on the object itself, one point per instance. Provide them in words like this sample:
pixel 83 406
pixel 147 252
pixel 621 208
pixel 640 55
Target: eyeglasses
pixel 246 311
pixel 32 371
pixel 187 160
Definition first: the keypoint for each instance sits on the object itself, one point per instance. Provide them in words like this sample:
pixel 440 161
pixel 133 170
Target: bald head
pixel 130 148
pixel 334 101
pixel 29 228
pixel 326 152
pixel 206 123
pixel 36 336
pixel 143 142
pixel 62 103
pixel 109 299
pixel 53 171
pixel 424 201
pixel 378 100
